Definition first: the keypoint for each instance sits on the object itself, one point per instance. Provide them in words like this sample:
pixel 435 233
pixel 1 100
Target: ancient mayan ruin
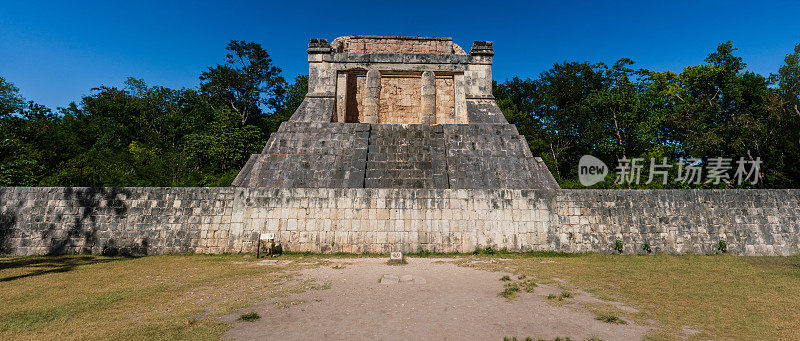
pixel 397 112
pixel 398 146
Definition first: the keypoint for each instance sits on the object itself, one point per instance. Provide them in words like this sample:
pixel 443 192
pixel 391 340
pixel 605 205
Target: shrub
pixel 564 294
pixel 423 253
pixel 487 251
pixel 510 291
pixel 722 247
pixel 646 248
pixel 608 318
pixel 618 246
pixel 549 253
pixel 249 317
pixel 505 278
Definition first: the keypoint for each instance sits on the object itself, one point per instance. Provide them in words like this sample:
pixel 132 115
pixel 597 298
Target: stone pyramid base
pixel 361 155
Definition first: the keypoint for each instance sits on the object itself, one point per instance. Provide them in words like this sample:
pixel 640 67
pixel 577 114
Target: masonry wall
pixel 400 100
pixel 445 100
pixel 214 220
pixel 455 156
pixel 751 222
pixel 376 44
pixel 66 220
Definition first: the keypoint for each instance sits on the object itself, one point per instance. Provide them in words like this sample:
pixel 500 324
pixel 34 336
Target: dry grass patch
pixel 155 297
pixel 723 296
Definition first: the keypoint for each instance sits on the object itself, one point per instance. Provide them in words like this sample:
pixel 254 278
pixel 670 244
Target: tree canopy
pixel 142 135
pixel 713 110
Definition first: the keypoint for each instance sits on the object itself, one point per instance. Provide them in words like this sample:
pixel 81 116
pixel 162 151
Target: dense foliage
pixel 707 111
pixel 141 135
pixel 144 135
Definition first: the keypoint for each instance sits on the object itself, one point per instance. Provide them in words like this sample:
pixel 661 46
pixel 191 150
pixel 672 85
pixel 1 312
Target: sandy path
pixel 441 302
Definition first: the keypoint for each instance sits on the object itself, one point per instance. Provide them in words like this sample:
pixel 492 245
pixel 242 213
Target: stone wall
pixel 400 100
pixel 456 156
pixel 214 220
pixel 751 222
pixel 327 155
pixel 492 156
pixel 399 158
pixel 384 44
pixel 445 100
pixel 66 220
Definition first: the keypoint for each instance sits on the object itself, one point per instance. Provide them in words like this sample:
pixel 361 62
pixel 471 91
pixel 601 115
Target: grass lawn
pixel 719 296
pixel 155 297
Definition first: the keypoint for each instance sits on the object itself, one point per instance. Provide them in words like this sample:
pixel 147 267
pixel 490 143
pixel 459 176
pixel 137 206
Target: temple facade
pixel 397 112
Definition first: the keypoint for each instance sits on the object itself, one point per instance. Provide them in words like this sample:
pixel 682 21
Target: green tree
pixel 245 82
pixel 783 125
pixel 556 101
pixel 27 138
pixel 10 99
pixel 222 148
pixel 130 137
pixel 788 79
pixel 295 95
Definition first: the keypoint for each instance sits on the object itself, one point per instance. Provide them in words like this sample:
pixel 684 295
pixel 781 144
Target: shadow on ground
pixel 43 265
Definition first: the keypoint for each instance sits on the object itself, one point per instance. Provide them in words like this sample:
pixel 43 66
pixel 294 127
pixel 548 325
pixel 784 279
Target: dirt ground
pixel 364 298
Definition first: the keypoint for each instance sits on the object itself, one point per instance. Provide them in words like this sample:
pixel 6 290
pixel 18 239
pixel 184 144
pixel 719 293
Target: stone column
pixel 321 77
pixel 341 97
pixel 479 77
pixel 371 97
pixel 319 101
pixel 428 97
pixel 460 99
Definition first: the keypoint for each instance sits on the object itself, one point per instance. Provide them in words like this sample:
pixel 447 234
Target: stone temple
pixel 397 112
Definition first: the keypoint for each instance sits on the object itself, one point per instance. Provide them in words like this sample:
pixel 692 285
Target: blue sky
pixel 57 51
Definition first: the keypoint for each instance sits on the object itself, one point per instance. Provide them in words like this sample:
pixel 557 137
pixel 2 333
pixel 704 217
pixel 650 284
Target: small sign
pixel 396 256
pixel 267 236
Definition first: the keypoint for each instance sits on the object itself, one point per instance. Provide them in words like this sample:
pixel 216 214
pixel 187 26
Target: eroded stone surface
pixel 215 220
